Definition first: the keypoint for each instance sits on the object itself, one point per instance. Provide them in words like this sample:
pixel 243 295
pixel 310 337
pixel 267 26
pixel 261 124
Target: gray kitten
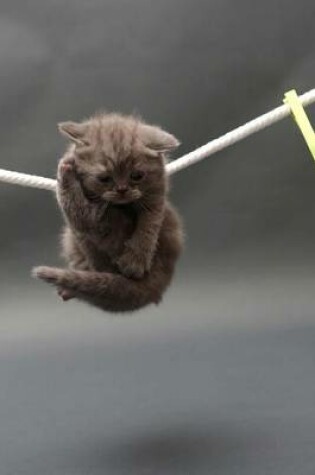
pixel 122 236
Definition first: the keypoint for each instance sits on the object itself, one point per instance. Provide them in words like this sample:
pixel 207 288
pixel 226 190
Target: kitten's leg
pixel 112 292
pixel 139 250
pixel 75 258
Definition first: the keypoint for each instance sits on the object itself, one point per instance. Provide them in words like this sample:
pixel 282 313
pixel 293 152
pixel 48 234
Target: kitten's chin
pixel 122 201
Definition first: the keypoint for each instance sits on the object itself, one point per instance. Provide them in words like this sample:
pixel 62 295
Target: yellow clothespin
pixel 292 99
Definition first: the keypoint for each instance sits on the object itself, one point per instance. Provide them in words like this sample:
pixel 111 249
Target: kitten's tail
pixel 112 292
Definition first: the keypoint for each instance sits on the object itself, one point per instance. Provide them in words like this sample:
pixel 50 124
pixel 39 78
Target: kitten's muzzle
pixel 121 197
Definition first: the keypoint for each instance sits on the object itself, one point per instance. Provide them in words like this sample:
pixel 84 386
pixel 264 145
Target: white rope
pixel 32 181
pixel 195 156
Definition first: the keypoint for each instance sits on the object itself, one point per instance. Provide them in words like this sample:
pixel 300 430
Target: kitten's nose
pixel 122 189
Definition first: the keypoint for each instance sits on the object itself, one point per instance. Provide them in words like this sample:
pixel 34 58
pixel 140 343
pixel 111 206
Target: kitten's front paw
pixel 66 169
pixel 133 264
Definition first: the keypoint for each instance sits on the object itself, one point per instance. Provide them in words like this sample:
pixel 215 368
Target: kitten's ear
pixel 74 131
pixel 157 139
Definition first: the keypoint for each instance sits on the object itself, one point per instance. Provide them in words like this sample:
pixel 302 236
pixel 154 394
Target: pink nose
pixel 122 188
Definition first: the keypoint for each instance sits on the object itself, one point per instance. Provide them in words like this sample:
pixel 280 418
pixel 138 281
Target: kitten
pixel 122 236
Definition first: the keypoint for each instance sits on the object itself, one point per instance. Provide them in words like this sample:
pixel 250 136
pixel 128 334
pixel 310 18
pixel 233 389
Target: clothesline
pixel 190 158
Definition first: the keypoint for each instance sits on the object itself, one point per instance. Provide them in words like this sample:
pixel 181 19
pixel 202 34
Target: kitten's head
pixel 120 159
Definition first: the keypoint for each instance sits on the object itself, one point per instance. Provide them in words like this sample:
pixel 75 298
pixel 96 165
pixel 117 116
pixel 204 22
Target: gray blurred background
pixel 220 378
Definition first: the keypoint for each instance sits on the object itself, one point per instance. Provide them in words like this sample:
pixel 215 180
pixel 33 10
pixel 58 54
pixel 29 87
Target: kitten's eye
pixel 137 176
pixel 105 179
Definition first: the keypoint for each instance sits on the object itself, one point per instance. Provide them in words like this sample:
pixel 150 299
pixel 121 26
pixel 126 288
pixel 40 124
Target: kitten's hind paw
pixel 65 294
pixel 48 274
pixel 52 275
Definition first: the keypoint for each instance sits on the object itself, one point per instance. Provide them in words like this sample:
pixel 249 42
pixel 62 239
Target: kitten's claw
pixel 66 168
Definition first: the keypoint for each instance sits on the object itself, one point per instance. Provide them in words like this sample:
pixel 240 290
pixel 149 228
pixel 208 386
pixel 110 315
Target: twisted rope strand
pixel 189 159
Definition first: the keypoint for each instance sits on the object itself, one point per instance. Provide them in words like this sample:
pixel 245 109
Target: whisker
pixel 105 210
pixel 144 205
